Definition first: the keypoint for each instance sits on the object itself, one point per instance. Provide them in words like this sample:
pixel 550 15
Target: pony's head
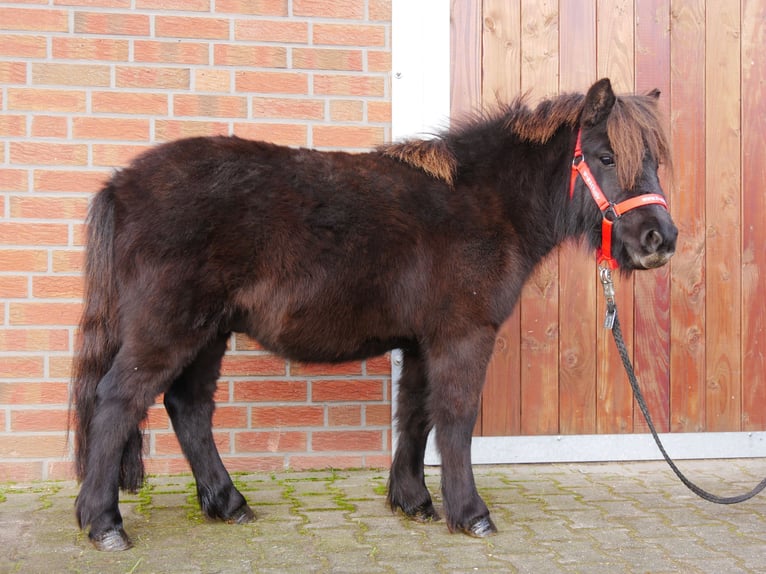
pixel 623 144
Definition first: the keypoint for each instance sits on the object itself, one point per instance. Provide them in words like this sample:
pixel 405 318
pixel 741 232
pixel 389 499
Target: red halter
pixel 610 211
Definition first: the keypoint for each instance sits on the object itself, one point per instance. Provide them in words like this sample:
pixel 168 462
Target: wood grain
pixel 687 327
pixel 754 215
pixel 723 202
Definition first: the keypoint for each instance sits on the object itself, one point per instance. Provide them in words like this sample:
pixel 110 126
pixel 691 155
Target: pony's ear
pixel 598 103
pixel 655 93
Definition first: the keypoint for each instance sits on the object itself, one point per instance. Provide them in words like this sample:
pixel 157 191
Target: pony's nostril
pixel 651 240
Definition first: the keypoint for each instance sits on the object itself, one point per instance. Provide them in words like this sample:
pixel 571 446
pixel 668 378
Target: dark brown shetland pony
pixel 422 246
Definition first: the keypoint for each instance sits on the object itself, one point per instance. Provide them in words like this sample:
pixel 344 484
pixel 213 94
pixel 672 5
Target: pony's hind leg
pixel 123 396
pixel 189 402
pixel 407 489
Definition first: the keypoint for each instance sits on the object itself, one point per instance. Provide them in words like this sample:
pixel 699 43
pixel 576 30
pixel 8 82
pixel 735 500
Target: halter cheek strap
pixel 610 212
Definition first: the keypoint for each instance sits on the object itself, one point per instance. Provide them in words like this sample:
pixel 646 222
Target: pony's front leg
pixel 456 371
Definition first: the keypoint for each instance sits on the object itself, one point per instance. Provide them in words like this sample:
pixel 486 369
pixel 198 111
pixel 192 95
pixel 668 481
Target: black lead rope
pixel 612 322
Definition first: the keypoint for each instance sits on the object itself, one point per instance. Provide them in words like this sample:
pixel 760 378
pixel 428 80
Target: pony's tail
pixel 99 338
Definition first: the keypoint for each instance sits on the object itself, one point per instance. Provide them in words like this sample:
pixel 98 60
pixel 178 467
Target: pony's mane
pixel 634 126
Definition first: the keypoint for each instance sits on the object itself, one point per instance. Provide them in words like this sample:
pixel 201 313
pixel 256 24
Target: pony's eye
pixel 607 160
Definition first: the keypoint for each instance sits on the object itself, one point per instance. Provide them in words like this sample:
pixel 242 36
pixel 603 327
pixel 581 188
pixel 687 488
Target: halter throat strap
pixel 610 212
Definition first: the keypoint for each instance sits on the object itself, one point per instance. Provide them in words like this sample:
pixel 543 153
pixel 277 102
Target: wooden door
pixel 696 329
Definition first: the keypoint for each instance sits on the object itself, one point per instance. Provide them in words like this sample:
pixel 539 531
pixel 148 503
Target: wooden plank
pixel 754 208
pixel 687 351
pixel 465 71
pixel 501 400
pixel 614 407
pixel 723 201
pixel 652 288
pixel 577 266
pixel 539 298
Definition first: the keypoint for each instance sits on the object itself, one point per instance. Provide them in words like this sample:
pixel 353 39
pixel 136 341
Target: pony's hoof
pixel 481 528
pixel 424 513
pixel 113 540
pixel 242 515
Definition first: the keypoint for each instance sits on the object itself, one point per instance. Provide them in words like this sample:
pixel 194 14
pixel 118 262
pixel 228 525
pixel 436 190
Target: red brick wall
pixel 84 86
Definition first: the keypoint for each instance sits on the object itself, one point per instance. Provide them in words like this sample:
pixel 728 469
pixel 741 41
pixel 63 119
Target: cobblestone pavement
pixel 589 518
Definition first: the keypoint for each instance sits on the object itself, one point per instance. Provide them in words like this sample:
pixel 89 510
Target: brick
pixel 186 5
pixel 95 3
pixel 79 234
pixel 13 126
pixel 379 365
pixel 129 103
pixel 272 82
pixel 344 415
pixel 80 48
pixel 60 470
pixel 151 77
pixel 31 207
pixel 191 27
pixel 274 441
pixel 377 415
pixel 60 367
pixel 254 7
pixel 252 56
pixel 110 128
pixel 379 10
pixel 57 287
pixel 33 233
pixel 230 417
pixel 50 127
pixel 287 416
pixel 46 100
pixel 166 130
pixel 282 134
pixel 379 112
pixel 348 136
pixel 349 35
pixel 14 179
pixel 349 85
pixel 327 59
pixel 350 9
pixel 234 365
pixel 18 46
pixel 114 155
pixel 378 61
pixel 64 180
pixel 39 420
pixel 39 153
pixel 71 74
pixel 45 313
pixel 12 287
pixel 175 465
pixel 319 369
pixel 66 260
pixel 310 462
pixel 346 390
pixel 31 260
pixel 293 108
pixel 44 393
pixel 13 72
pixel 254 464
pixel 280 31
pixel 12 367
pixel 346 110
pixel 270 391
pixel 156 418
pixel 346 440
pixel 213 80
pixel 111 23
pixel 164 52
pixel 20 471
pixel 210 106
pixel 21 340
pixel 41 20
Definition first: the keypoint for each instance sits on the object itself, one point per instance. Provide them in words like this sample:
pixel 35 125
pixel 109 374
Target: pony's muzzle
pixel 658 245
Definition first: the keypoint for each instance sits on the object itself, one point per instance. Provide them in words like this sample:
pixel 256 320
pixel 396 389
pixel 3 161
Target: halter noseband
pixel 610 212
